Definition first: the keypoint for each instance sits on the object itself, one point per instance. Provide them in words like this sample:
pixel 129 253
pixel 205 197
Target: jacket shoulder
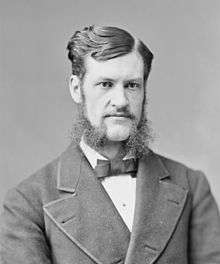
pixel 183 175
pixel 22 225
pixel 41 183
pixel 41 187
pixel 31 193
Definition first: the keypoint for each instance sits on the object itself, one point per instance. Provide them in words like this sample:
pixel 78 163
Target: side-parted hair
pixel 104 43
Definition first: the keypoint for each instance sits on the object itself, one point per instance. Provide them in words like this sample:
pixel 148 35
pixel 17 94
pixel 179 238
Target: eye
pixel 106 84
pixel 132 85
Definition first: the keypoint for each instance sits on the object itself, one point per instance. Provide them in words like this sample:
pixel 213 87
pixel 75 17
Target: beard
pixel 137 144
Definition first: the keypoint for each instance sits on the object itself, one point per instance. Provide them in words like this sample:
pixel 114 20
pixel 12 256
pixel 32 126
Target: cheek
pixel 136 105
pixel 94 111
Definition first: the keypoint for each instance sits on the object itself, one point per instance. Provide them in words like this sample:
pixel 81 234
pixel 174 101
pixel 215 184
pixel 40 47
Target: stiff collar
pixel 92 155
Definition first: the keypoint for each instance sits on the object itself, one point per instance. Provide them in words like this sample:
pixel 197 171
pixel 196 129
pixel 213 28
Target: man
pixel 109 198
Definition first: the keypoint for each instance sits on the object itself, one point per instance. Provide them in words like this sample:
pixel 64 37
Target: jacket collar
pixel 68 171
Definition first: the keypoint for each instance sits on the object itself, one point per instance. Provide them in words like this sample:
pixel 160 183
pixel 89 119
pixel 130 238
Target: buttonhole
pixel 173 201
pixel 150 247
pixel 67 219
pixel 117 261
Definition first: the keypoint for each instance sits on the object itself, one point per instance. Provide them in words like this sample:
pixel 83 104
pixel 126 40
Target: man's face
pixel 113 94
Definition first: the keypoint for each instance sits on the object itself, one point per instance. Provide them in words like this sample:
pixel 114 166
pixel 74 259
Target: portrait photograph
pixel 109 146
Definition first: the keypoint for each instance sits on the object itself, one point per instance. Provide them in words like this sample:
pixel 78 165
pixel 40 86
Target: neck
pixel 112 150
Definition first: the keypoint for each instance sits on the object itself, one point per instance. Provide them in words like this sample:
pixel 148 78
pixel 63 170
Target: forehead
pixel 127 66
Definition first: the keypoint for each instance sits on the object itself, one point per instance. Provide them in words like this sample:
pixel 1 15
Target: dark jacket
pixel 63 215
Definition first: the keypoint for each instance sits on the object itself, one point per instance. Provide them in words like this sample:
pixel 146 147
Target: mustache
pixel 125 113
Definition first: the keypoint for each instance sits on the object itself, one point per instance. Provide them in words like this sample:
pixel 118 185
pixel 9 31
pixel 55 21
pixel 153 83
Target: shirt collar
pixel 92 155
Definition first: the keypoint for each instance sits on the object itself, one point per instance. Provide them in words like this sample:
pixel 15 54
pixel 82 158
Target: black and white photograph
pixel 109 132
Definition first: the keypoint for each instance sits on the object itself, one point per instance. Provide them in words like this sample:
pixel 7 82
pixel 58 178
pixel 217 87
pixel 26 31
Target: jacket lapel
pixel 159 204
pixel 85 213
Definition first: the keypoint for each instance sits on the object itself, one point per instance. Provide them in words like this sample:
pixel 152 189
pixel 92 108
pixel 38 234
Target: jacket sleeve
pixel 22 237
pixel 204 228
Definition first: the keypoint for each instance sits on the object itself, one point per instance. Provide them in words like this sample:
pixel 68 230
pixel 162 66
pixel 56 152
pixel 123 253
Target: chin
pixel 119 133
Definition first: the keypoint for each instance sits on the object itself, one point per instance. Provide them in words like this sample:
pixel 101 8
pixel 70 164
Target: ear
pixel 75 88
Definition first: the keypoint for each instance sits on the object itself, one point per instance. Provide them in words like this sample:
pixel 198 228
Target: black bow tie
pixel 107 168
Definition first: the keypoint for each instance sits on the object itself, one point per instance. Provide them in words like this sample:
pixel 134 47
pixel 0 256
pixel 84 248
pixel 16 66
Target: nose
pixel 119 97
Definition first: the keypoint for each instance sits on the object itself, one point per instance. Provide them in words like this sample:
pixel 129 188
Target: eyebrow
pixel 107 79
pixel 135 80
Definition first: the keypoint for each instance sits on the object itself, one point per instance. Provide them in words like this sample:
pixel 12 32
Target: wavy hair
pixel 104 43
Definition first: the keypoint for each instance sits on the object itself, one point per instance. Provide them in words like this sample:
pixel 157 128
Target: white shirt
pixel 121 188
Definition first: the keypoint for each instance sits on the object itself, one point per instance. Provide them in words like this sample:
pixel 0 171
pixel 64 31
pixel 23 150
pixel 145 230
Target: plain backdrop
pixel 36 110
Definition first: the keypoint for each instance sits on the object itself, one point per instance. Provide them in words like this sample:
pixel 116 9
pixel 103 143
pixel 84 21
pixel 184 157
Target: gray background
pixel 36 110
